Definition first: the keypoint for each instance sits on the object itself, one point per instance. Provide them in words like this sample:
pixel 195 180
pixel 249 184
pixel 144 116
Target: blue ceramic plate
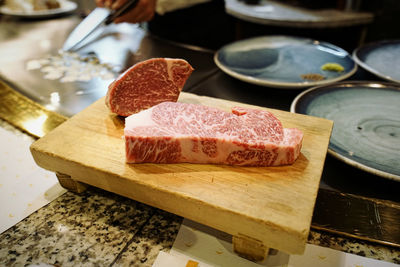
pixel 380 58
pixel 283 61
pixel 366 129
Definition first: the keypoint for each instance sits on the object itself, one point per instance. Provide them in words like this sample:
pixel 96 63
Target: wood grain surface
pixel 272 205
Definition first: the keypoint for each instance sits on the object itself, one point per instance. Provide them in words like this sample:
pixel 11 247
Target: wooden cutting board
pixel 269 206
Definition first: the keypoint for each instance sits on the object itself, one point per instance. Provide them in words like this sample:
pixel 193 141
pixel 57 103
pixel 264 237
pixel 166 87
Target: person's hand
pixel 144 10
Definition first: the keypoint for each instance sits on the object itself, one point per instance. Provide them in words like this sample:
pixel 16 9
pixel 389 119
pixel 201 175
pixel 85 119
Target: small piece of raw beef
pixel 146 84
pixel 178 132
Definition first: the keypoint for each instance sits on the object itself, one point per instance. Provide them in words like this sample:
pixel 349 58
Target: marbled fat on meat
pixel 146 84
pixel 178 132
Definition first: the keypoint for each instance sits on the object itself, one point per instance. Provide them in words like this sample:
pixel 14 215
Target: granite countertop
pixel 91 228
pixel 99 228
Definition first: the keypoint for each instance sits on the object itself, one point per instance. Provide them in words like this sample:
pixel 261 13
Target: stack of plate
pixel 366 115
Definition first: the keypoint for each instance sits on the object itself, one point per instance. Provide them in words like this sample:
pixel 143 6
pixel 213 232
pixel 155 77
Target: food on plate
pixel 312 77
pixel 332 67
pixel 32 5
pixel 146 84
pixel 45 4
pixel 174 132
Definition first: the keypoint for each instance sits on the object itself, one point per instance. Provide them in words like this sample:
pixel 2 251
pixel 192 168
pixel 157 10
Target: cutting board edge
pixel 295 240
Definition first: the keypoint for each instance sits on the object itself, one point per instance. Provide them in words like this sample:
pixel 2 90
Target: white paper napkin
pixel 24 186
pixel 210 247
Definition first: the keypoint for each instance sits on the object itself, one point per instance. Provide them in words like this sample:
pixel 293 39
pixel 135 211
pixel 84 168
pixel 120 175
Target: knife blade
pixel 97 18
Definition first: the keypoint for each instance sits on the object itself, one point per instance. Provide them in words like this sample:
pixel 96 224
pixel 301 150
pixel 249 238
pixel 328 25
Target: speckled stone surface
pixel 99 228
pixel 355 246
pixel 158 234
pixel 94 228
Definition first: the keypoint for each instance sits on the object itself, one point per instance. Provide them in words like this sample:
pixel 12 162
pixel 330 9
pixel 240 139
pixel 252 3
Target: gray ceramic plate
pixel 380 58
pixel 65 7
pixel 282 61
pixel 366 116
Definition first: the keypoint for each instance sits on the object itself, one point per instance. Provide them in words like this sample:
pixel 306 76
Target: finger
pixel 108 3
pixel 100 3
pixel 140 18
pixel 125 18
pixel 146 15
pixel 149 10
pixel 144 11
pixel 131 15
pixel 118 4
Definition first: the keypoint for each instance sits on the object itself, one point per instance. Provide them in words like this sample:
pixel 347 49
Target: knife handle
pixel 126 7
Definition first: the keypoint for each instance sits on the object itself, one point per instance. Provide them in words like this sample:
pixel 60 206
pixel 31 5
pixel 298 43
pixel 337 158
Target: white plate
pixel 65 7
pixel 366 117
pixel 280 61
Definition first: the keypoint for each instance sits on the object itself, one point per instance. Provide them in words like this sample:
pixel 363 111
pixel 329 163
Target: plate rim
pixel 70 7
pixel 368 67
pixel 283 85
pixel 335 154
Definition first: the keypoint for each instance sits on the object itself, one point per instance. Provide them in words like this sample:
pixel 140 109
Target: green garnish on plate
pixel 332 67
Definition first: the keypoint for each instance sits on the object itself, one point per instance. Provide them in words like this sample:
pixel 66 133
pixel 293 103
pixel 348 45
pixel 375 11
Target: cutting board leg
pixel 68 183
pixel 249 248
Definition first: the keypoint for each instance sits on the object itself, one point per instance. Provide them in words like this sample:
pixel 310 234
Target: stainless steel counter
pixel 118 45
